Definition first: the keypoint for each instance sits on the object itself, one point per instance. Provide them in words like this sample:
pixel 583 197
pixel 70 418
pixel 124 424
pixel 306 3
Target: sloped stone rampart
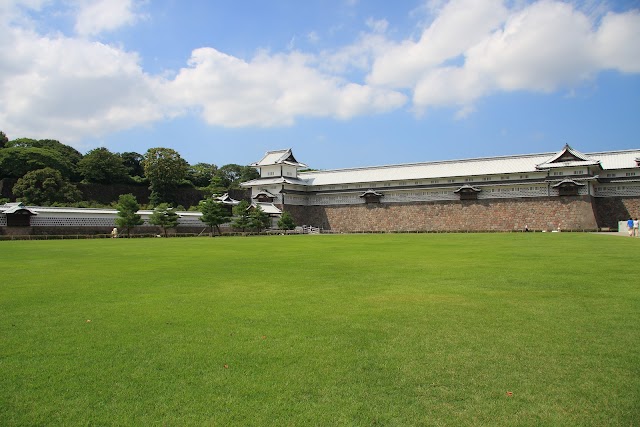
pixel 548 213
pixel 610 210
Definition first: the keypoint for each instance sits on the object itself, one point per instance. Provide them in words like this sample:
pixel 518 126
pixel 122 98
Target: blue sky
pixel 342 82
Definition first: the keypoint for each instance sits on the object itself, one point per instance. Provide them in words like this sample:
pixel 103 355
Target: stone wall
pixel 610 210
pixel 545 213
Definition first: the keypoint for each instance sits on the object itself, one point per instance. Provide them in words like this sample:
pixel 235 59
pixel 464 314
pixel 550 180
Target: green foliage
pixel 3 139
pixel 102 166
pixel 201 174
pixel 44 187
pixel 15 161
pixel 132 161
pixel 286 221
pixel 230 176
pixel 336 330
pixel 214 213
pixel 165 169
pixel 127 213
pixel 242 219
pixel 165 217
pixel 69 153
pixel 259 219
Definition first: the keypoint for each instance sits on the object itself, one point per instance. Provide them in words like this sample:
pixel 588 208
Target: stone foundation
pixel 610 210
pixel 548 213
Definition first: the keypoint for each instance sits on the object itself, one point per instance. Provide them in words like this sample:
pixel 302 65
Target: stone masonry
pixel 547 213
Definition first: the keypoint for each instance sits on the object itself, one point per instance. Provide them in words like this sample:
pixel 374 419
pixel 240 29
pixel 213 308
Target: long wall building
pixel 566 190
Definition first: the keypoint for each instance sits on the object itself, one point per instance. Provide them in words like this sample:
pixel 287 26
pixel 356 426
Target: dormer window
pixel 568 187
pixel 371 196
pixel 264 196
pixel 468 192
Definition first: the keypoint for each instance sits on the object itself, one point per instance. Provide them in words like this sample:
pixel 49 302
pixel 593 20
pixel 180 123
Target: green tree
pixel 259 219
pixel 164 216
pixel 231 175
pixel 201 174
pixel 3 139
pixel 102 166
pixel 165 170
pixel 45 187
pixel 241 214
pixel 132 161
pixel 286 221
pixel 17 161
pixel 214 214
pixel 127 213
pixel 69 154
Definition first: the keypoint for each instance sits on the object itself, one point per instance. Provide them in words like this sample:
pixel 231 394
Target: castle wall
pixel 544 213
pixel 610 210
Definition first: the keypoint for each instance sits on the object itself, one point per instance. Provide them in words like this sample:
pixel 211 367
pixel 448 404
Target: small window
pixel 630 174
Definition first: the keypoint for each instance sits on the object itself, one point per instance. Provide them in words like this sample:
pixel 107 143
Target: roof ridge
pixel 472 159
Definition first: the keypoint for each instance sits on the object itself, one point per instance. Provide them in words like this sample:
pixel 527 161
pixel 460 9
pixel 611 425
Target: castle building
pixel 566 190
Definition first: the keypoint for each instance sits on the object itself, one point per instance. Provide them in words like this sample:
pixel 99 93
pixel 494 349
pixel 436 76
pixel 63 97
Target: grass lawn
pixel 411 329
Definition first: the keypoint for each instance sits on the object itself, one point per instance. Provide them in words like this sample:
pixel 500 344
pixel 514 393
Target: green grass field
pixel 422 329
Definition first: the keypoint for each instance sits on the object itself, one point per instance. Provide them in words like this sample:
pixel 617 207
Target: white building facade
pixel 565 176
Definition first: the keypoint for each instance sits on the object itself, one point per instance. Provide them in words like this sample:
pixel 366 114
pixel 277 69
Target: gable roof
pixel 16 207
pixel 568 157
pixel 527 163
pixel 278 157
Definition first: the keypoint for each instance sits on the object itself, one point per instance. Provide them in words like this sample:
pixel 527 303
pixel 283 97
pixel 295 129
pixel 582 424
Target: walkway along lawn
pixel 412 329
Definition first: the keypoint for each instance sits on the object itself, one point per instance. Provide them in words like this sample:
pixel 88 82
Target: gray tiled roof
pixel 460 168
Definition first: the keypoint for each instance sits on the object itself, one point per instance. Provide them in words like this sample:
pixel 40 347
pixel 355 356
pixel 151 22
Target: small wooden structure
pixel 18 215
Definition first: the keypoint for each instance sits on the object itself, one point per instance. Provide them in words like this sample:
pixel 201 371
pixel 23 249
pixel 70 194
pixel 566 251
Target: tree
pixel 45 187
pixel 241 216
pixel 102 166
pixel 201 174
pixel 259 219
pixel 165 169
pixel 132 161
pixel 3 139
pixel 231 175
pixel 214 214
pixel 127 213
pixel 164 216
pixel 17 161
pixel 286 221
pixel 69 154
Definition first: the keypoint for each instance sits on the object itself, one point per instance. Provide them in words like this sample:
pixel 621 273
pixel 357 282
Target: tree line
pixel 243 216
pixel 48 172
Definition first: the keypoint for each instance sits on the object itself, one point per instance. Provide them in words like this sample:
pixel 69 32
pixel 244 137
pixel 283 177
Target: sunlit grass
pixel 322 330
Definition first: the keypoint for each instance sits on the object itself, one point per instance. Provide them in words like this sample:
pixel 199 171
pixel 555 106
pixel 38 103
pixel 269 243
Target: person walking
pixel 630 227
pixel 635 227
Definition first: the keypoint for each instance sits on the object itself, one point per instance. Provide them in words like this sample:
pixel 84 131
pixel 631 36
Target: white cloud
pixel 459 25
pixel 475 48
pixel 97 16
pixel 271 90
pixel 70 87
pixel 617 42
